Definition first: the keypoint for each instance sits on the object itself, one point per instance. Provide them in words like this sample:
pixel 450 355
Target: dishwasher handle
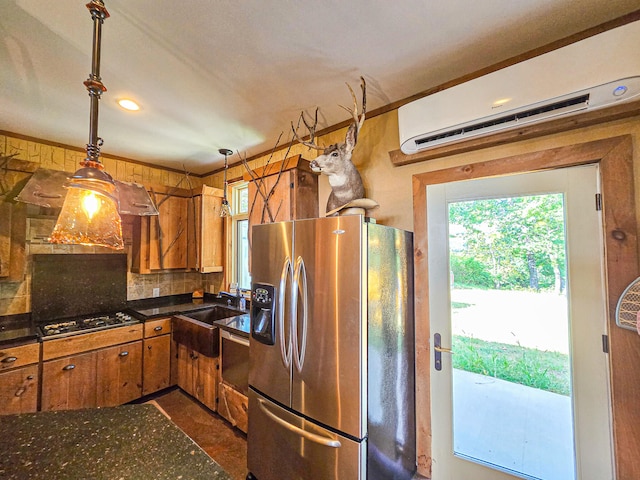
pixel 235 338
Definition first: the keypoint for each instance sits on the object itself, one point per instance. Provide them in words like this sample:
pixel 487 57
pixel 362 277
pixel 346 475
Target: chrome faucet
pixel 229 296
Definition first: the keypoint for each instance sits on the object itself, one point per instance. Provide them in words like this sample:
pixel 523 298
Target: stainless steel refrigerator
pixel 331 375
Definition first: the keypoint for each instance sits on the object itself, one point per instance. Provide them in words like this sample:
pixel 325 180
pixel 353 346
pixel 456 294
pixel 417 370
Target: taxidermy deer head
pixel 335 160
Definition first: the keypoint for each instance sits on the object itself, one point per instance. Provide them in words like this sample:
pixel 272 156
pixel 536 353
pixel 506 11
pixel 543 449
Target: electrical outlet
pixel 156 292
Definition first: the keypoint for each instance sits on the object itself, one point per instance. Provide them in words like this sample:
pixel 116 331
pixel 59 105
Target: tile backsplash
pixel 15 297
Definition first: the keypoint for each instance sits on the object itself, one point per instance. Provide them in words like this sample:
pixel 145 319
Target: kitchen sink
pixel 197 331
pixel 210 315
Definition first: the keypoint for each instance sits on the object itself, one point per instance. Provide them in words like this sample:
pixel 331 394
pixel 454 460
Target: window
pixel 240 240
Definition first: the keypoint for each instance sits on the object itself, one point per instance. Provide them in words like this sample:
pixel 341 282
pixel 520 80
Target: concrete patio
pixel 519 428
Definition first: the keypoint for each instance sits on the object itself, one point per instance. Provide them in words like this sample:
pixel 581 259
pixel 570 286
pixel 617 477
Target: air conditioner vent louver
pixel 581 77
pixel 581 101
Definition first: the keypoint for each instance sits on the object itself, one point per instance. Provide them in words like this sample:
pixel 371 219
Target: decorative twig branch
pixel 260 184
pixel 162 252
pixel 192 202
pixel 158 228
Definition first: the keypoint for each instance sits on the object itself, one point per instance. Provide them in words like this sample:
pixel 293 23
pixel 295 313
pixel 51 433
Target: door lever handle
pixel 443 350
pixel 438 350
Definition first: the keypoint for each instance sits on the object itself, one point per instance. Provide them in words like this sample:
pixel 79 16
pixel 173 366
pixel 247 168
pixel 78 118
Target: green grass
pixel 461 305
pixel 526 366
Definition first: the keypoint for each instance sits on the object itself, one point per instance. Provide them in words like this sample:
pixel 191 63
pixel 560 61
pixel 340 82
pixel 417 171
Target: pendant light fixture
pixel 89 214
pixel 225 208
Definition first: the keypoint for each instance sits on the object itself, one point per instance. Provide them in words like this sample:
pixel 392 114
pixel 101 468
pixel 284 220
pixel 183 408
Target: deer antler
pixel 312 131
pixel 358 119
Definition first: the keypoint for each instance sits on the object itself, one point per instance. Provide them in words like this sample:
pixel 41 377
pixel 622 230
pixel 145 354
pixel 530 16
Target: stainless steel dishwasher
pixel 235 361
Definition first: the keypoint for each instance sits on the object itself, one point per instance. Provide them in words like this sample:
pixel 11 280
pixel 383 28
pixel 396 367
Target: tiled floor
pixel 226 445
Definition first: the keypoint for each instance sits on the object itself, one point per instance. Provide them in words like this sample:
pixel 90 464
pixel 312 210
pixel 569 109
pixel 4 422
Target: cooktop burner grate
pixel 87 324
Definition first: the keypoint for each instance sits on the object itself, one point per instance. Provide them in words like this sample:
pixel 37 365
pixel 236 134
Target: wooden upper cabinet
pixel 168 233
pixel 292 189
pixel 187 234
pixel 209 230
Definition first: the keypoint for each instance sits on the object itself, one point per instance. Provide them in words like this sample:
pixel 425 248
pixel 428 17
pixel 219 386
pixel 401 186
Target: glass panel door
pixel 519 381
pixel 510 335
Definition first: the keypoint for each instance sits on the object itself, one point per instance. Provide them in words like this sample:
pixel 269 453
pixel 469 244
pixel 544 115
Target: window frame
pixel 236 189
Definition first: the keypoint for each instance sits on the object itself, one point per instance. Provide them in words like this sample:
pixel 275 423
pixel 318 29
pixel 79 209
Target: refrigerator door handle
pixel 285 345
pixel 300 288
pixel 326 441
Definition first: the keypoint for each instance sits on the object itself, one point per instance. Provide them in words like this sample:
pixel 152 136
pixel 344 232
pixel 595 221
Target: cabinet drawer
pixel 153 328
pixel 19 356
pixel 90 341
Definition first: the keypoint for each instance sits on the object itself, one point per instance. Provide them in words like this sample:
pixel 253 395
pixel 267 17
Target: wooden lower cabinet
pixel 94 369
pixel 69 383
pixel 156 355
pixel 100 378
pixel 197 375
pixel 233 406
pixel 156 370
pixel 119 374
pixel 19 390
pixel 19 379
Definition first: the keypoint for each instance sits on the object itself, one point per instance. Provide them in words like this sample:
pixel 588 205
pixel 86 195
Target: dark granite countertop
pixel 151 312
pixel 116 443
pixel 17 330
pixel 17 336
pixel 149 308
pixel 239 325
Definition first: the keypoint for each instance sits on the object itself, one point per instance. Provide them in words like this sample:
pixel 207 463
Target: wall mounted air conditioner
pixel 594 73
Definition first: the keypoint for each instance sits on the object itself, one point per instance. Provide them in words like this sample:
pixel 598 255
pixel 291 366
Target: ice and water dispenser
pixel 263 323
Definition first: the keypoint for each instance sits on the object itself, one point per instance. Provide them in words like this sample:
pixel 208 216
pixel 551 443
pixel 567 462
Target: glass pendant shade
pixel 225 208
pixel 89 214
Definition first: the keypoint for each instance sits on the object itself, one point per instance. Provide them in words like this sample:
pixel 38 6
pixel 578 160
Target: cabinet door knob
pixel 149 347
pixel 9 359
pixel 123 354
pixel 69 367
pixel 158 328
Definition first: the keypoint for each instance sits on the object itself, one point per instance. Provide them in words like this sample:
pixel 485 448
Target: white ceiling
pixel 224 74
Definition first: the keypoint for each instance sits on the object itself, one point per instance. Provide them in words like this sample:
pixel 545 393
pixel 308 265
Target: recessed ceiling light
pixel 128 104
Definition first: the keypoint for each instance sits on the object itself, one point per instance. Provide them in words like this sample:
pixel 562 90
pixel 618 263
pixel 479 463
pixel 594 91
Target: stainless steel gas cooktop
pixel 86 324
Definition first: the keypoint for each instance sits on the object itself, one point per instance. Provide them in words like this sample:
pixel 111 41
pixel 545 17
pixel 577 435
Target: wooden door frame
pixel 615 157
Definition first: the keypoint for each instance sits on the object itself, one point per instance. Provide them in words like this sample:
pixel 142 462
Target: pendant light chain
pixel 94 84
